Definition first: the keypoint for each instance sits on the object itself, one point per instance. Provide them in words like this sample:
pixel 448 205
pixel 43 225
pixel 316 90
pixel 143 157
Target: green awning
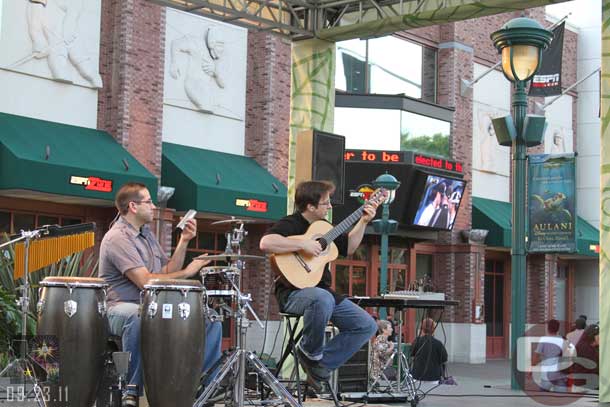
pixel 221 183
pixel 39 158
pixel 495 216
pixel 586 236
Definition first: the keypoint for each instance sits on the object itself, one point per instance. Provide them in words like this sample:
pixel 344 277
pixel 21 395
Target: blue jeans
pixel 317 306
pixel 124 321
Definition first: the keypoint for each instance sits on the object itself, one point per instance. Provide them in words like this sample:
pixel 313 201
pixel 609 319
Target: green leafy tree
pixel 438 144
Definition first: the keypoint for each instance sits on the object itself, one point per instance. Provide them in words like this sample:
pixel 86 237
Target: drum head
pixel 221 293
pixel 84 282
pixel 174 284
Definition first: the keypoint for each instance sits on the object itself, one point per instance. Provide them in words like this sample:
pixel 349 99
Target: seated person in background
pixel 586 365
pixel 429 354
pixel 549 355
pixel 579 327
pixel 382 351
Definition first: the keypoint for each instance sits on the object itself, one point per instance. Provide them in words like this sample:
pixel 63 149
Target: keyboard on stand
pixel 414 295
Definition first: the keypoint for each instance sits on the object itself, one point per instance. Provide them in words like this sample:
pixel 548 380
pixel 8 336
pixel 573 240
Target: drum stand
pixel 238 359
pixel 24 365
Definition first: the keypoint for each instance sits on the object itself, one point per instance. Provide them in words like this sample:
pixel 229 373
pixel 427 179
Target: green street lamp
pixel 520 41
pixel 385 226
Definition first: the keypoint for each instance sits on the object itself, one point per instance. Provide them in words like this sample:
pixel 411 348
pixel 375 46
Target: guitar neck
pixel 343 226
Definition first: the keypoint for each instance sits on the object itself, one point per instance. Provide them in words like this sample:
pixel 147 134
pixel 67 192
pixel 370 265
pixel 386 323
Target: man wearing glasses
pixel 320 304
pixel 130 256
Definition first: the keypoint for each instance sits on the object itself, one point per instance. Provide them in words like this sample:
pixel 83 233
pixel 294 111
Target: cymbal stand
pixel 234 239
pixel 238 359
pixel 22 365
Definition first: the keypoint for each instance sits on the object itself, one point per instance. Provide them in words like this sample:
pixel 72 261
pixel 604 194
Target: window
pixel 5 222
pixel 204 242
pixel 392 129
pixel 13 222
pixel 350 279
pixel 48 220
pixel 387 65
pixel 395 67
pixel 351 72
pixel 377 129
pixel 23 221
pixel 424 134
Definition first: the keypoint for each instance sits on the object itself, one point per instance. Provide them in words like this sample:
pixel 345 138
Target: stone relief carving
pixel 202 65
pixel 57 37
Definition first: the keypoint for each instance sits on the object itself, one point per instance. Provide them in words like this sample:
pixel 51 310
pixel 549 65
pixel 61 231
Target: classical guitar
pixel 302 270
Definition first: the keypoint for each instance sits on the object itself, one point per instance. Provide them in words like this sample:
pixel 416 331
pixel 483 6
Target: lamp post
pixel 385 226
pixel 520 41
pixel 163 195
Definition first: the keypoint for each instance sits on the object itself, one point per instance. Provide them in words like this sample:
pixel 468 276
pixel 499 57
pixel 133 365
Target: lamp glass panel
pixel 525 61
pixel 391 196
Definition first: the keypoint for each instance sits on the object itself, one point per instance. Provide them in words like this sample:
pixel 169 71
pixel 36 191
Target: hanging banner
pixel 552 203
pixel 312 96
pixel 547 82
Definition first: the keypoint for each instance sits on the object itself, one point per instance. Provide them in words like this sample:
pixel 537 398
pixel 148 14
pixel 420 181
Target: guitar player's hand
pixel 311 247
pixel 369 212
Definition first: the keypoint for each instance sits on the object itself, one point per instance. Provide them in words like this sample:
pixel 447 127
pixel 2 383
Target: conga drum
pixel 173 335
pixel 73 309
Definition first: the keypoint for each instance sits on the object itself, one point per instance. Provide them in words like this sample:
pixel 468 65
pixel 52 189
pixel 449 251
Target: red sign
pixel 252 205
pixel 438 163
pixel 403 157
pixel 92 183
pixel 374 156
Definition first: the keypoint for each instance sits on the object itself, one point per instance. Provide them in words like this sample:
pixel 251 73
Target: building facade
pixel 204 107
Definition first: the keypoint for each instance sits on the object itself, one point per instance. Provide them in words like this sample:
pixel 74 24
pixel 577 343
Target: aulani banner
pixel 552 203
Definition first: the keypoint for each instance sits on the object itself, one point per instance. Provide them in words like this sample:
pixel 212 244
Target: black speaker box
pixel 320 157
pixel 353 375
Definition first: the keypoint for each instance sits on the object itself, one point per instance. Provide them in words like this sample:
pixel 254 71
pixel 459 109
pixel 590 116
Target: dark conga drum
pixel 173 335
pixel 73 309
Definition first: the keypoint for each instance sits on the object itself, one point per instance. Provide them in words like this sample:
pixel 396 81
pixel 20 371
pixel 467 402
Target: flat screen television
pixel 436 201
pixel 358 174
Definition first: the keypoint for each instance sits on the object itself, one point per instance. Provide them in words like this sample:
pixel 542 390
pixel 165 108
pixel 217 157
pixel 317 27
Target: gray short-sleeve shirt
pixel 125 248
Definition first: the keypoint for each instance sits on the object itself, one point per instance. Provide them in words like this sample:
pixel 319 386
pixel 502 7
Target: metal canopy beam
pixel 338 20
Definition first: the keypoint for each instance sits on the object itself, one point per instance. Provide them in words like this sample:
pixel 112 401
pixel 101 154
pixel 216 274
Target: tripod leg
pixel 333 394
pixel 271 380
pixel 22 365
pixel 215 384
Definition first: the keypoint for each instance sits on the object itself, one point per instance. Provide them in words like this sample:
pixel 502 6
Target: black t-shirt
pixel 429 356
pixel 296 224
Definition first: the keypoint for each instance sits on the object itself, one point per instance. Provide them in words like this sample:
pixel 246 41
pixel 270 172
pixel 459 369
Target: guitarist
pixel 320 304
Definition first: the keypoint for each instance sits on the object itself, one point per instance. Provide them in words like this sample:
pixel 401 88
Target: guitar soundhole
pixel 323 243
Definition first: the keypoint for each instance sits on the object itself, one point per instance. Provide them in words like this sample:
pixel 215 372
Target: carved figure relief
pixel 202 65
pixel 57 37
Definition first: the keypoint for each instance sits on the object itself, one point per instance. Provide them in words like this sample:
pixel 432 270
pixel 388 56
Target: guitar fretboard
pixel 343 226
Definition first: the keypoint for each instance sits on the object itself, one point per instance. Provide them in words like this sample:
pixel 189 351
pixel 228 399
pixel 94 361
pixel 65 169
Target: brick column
pixel 540 293
pixel 267 136
pixel 132 61
pixel 268 102
pixel 455 62
pixel 460 273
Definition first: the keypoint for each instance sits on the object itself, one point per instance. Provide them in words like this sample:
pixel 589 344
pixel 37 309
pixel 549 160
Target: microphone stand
pixel 21 363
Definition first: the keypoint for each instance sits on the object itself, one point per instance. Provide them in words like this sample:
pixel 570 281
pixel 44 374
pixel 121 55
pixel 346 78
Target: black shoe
pixel 315 387
pixel 313 368
pixel 129 400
